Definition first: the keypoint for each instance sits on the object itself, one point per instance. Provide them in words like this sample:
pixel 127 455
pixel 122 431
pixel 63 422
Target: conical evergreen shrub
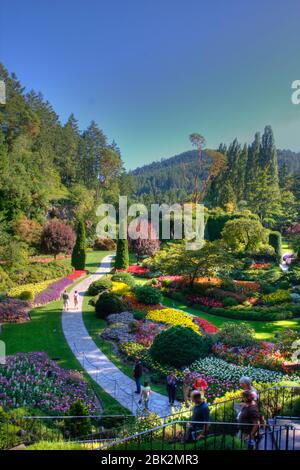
pixel 122 257
pixel 79 254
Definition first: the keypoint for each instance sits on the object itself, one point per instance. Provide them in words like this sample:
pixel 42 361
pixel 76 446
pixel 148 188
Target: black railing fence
pixel 274 401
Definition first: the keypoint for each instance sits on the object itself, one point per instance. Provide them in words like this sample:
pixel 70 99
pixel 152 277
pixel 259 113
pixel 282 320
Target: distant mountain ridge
pixel 173 178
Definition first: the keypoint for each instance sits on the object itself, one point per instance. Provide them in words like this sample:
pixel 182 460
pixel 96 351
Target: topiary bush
pixel 99 286
pixel 122 256
pixel 27 295
pixel 108 303
pixel 179 346
pixel 126 278
pixel 275 242
pixel 148 295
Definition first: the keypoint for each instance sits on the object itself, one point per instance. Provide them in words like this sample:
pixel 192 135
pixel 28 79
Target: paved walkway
pixel 97 365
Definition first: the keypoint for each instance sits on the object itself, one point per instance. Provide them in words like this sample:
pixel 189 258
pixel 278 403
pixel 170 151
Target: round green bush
pixel 236 334
pixel 179 346
pixel 27 295
pixel 99 286
pixel 108 303
pixel 148 295
pixel 126 278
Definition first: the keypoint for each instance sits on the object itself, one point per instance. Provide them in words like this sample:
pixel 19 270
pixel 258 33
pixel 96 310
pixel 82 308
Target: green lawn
pixel 44 333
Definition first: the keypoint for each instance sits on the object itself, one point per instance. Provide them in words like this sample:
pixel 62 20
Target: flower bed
pixel 34 381
pixel 136 269
pixel 206 326
pixel 139 306
pixel 76 274
pixel 53 291
pixel 207 301
pixel 34 288
pixel 146 332
pixel 265 356
pixel 260 266
pixel 173 317
pixel 224 371
pixel 247 286
pixel 120 288
pixel 14 310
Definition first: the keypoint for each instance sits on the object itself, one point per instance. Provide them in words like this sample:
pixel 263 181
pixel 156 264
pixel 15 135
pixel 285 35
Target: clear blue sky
pixel 150 72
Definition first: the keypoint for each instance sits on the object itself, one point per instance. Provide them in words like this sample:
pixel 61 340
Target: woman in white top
pixel 246 384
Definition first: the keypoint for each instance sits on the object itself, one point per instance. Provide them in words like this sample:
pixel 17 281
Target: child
pixel 145 395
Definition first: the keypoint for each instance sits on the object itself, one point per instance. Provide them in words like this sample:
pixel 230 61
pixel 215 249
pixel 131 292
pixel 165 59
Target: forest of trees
pixel 52 169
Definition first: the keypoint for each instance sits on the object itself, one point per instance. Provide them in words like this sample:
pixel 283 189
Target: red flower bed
pixel 206 326
pixel 76 274
pixel 247 286
pixel 170 278
pixel 14 311
pixel 207 301
pixel 135 269
pixel 260 265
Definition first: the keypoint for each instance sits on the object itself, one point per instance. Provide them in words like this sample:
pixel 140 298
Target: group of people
pixel 248 414
pixel 66 300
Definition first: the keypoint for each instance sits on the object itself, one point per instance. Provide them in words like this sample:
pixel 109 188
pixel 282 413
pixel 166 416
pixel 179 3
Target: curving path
pixel 97 365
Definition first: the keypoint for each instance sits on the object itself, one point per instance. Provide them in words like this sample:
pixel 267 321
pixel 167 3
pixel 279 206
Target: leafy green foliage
pixel 275 242
pixel 122 256
pixel 126 278
pixel 80 427
pixel 148 295
pixel 99 286
pixel 236 334
pixel 277 297
pixel 108 303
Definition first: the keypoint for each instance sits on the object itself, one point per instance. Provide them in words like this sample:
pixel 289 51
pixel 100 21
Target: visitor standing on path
pixel 171 387
pixel 137 374
pixel 246 384
pixel 65 297
pixel 75 298
pixel 145 396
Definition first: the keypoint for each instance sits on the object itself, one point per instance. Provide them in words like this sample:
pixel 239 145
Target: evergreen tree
pixel 78 253
pixel 122 256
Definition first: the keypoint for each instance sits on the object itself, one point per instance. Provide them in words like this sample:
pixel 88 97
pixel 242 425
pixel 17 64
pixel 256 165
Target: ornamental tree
pixel 78 253
pixel 57 238
pixel 145 247
pixel 244 234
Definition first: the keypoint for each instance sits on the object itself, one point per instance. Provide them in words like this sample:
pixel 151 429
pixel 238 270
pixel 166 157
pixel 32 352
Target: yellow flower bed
pixel 120 288
pixel 173 317
pixel 35 288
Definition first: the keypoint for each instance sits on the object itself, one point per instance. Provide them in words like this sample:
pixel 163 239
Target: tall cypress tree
pixel 78 254
pixel 122 256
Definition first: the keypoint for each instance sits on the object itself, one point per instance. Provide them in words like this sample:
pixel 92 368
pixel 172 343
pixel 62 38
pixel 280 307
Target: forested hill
pixel 172 179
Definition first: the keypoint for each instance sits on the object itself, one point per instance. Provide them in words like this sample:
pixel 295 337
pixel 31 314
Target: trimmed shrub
pixel 148 295
pixel 108 303
pixel 275 242
pixel 78 253
pixel 122 256
pixel 179 346
pixel 236 334
pixel 278 297
pixel 255 314
pixel 27 295
pixel 230 302
pixel 99 286
pixel 126 278
pixel 105 244
pixel 78 427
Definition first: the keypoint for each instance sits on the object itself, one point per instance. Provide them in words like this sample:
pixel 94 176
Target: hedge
pixel 275 242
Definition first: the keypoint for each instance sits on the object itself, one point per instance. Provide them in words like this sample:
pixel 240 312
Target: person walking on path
pixel 65 297
pixel 200 417
pixel 186 386
pixel 145 396
pixel 137 374
pixel 75 298
pixel 171 387
pixel 250 416
pixel 246 384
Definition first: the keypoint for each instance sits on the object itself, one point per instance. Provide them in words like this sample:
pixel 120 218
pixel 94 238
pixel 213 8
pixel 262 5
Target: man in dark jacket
pixel 200 415
pixel 137 374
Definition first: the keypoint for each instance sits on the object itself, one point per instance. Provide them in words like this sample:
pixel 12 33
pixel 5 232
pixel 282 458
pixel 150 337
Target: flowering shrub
pixel 206 326
pixel 120 288
pixel 277 297
pixel 34 288
pixel 173 317
pixel 53 291
pixel 14 310
pixel 34 381
pixel 207 301
pixel 146 332
pixel 224 371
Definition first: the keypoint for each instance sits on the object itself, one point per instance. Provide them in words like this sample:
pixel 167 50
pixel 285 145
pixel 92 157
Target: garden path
pixel 97 365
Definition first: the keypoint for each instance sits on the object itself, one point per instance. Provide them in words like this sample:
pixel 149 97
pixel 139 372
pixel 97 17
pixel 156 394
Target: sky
pixel 151 72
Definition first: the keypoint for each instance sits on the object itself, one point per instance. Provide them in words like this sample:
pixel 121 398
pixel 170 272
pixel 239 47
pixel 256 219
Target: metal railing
pixel 187 435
